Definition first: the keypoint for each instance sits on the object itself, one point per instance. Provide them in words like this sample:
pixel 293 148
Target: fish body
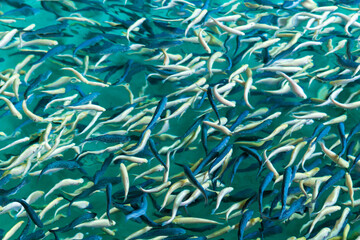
pixel 212 154
pixel 109 138
pixel 158 111
pixel 242 224
pixel 31 213
pixel 195 182
pixel 61 164
pixel 54 51
pixel 262 188
pixel 285 188
pixel 88 43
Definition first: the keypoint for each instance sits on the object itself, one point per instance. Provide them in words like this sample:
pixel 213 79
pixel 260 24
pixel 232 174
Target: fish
pixel 51 204
pixel 321 134
pixel 62 164
pixel 161 232
pixel 332 198
pixel 11 232
pixel 133 26
pixel 109 138
pixel 63 183
pixel 194 125
pixel 7 38
pixel 156 154
pixel 158 111
pixel 294 86
pixel 35 235
pixel 212 103
pixel 120 48
pixel 215 151
pixel 341 129
pixel 30 211
pixel 108 200
pixel 220 157
pixel 316 131
pixel 221 195
pixel 177 201
pixel 353 131
pixel 334 157
pixel 346 63
pixel 339 223
pixel 262 188
pixel 140 211
pixel 141 144
pixel 53 52
pixel 103 168
pixel 242 224
pixel 125 179
pixel 88 43
pixel 204 83
pixel 86 99
pixel 294 207
pixel 357 158
pixel 335 178
pixel 13 190
pixel 324 212
pixel 257 128
pixel 285 188
pixel 237 163
pixel 190 176
pixel 27 153
pixel 253 153
pixel 97 223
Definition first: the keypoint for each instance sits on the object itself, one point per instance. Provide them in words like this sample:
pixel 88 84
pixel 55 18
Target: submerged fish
pixel 207 89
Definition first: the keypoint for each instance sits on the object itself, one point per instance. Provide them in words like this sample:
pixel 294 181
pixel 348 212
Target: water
pixel 145 78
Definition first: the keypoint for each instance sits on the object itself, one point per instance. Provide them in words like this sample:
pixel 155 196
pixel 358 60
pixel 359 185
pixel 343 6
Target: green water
pixel 115 96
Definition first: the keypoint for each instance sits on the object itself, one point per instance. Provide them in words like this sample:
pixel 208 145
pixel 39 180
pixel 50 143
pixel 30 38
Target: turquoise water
pixel 113 74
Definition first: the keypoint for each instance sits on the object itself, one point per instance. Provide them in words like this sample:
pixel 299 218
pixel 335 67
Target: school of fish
pixel 179 119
